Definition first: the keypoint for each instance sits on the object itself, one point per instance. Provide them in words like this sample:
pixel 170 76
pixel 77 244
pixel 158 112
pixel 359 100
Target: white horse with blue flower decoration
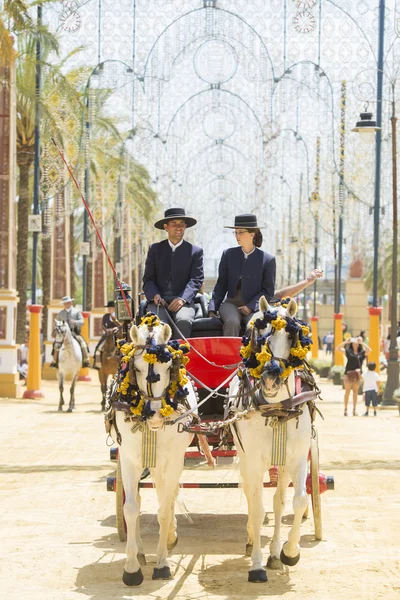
pixel 277 347
pixel 152 389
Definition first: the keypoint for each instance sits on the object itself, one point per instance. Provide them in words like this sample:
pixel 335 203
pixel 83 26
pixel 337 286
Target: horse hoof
pixel 287 560
pixel 60 409
pixel 133 578
pixel 163 573
pixel 258 576
pixel 274 563
pixel 172 546
pixel 69 410
pixel 142 559
pixel 249 549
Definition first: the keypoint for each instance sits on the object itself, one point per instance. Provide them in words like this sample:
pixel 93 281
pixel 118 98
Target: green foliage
pixel 337 369
pixel 384 267
pixel 320 365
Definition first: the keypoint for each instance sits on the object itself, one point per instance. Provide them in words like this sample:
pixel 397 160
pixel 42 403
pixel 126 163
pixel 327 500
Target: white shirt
pixel 370 379
pixel 247 254
pixel 174 247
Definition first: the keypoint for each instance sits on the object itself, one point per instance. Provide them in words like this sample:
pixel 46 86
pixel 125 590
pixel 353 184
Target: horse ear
pixel 134 333
pixel 263 304
pixel 166 333
pixel 291 308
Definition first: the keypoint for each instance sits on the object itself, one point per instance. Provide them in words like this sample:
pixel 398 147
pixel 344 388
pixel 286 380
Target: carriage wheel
pixel 119 505
pixel 315 493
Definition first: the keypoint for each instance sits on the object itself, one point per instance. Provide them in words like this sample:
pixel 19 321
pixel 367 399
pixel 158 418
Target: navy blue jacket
pixel 187 274
pixel 257 272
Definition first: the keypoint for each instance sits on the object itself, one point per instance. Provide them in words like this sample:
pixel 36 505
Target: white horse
pixel 153 380
pixel 69 361
pixel 254 441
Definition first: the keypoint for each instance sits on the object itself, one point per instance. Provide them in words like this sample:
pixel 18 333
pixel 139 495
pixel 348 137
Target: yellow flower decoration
pixel 300 351
pixel 245 351
pixel 173 389
pixel 263 356
pixel 137 410
pixel 167 410
pixel 123 388
pixel 151 359
pixel 256 372
pixel 150 321
pixel 306 330
pixel 278 323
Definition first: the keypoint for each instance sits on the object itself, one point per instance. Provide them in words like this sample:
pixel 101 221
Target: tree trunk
pixel 24 206
pixel 72 253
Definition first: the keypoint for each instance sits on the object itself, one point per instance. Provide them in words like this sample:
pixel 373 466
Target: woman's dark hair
pixel 258 238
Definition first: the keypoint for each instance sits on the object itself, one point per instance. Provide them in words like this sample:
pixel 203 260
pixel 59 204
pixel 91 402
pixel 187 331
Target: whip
pixel 85 204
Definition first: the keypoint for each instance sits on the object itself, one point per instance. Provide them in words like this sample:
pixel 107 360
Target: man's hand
pixel 158 300
pixel 315 274
pixel 211 313
pixel 245 310
pixel 73 322
pixel 176 304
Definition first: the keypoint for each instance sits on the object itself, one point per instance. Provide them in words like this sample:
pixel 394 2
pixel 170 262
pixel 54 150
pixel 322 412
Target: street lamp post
pixel 393 363
pixel 366 128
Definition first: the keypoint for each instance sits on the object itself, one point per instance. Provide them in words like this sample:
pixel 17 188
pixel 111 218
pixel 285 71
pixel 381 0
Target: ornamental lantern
pixel 121 310
pixel 366 127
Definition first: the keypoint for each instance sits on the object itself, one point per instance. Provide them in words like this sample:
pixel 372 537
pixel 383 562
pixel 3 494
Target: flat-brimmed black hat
pixel 110 304
pixel 245 222
pixel 175 213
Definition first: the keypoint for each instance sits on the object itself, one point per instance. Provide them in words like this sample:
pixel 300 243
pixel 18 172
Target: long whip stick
pixel 85 204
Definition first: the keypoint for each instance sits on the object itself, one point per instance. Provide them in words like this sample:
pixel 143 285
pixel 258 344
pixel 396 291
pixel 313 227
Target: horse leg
pixel 140 552
pixel 274 561
pixel 61 388
pixel 72 394
pixel 172 539
pixel 290 553
pixel 104 392
pixel 131 472
pixel 167 487
pixel 253 487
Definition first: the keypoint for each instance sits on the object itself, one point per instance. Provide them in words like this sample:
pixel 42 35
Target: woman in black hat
pixel 245 274
pixel 109 324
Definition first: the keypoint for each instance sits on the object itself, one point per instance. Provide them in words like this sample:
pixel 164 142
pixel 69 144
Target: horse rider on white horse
pixel 73 317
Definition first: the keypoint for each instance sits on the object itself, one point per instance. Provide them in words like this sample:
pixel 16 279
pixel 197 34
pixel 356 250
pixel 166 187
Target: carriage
pixel 213 362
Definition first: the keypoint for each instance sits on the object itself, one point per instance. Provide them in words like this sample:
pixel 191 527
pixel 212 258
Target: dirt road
pixel 59 537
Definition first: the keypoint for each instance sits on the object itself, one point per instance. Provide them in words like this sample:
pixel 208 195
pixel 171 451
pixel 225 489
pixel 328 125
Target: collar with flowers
pixel 264 361
pixel 128 391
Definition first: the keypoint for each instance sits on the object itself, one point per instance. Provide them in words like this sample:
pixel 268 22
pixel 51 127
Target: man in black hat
pixel 174 272
pixel 110 325
pixel 71 315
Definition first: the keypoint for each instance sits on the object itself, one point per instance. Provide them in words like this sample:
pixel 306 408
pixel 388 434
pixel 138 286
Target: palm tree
pixel 384 270
pixel 57 91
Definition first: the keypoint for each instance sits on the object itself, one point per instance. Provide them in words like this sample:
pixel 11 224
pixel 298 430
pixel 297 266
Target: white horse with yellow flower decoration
pixel 277 347
pixel 152 390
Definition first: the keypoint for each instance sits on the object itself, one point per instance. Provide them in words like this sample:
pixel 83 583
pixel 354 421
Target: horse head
pixel 150 373
pixel 60 329
pixel 278 345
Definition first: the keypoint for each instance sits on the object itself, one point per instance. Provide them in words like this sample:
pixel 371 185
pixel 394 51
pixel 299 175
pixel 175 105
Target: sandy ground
pixel 59 538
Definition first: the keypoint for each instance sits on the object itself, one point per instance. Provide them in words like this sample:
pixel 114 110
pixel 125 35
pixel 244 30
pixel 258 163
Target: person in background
pixel 329 342
pixel 73 316
pixel 355 352
pixel 371 382
pixel 110 325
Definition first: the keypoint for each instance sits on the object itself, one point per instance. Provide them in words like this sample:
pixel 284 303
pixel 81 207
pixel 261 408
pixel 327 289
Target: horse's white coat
pixel 171 447
pixel 256 439
pixel 69 361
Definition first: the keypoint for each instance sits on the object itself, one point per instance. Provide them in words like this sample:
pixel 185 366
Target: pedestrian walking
pixel 371 381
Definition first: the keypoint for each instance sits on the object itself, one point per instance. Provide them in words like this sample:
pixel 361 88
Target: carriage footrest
pixel 222 456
